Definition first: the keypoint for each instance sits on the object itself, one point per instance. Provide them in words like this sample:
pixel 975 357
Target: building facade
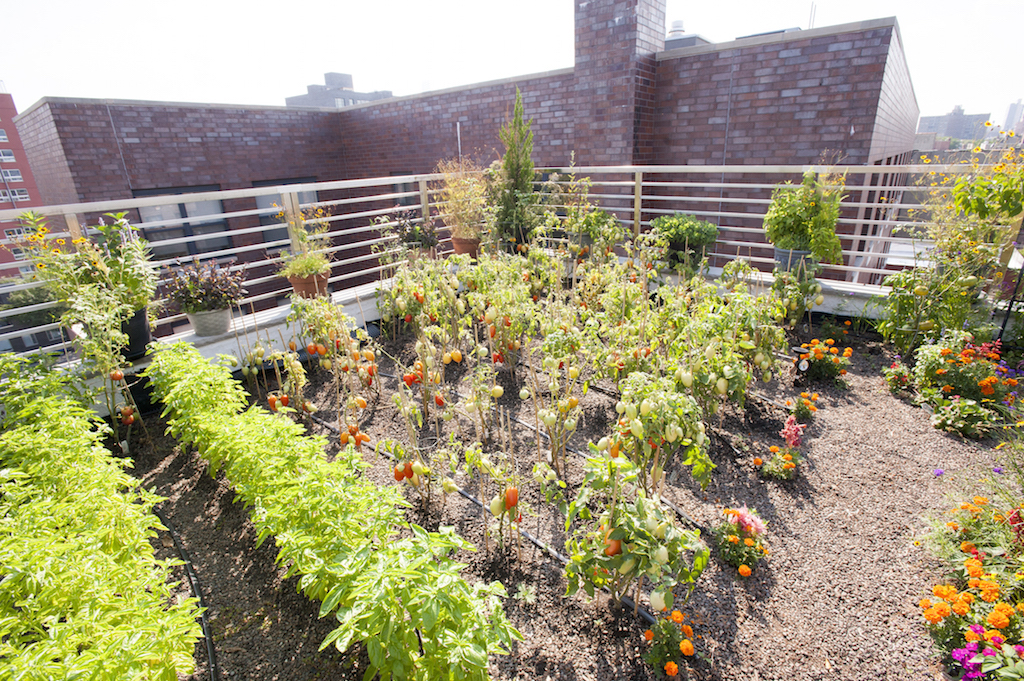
pixel 17 189
pixel 781 98
pixel 336 93
pixel 956 125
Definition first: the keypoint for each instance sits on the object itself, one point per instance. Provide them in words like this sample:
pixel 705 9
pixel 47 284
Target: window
pixel 271 200
pixel 14 233
pixel 185 219
pixel 20 194
pixel 3 135
pixel 6 156
pixel 13 176
pixel 19 253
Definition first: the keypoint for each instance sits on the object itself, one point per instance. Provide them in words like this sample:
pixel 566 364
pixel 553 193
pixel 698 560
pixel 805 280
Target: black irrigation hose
pixel 194 583
pixel 626 600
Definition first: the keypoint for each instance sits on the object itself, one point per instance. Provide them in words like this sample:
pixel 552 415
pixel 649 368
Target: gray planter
pixel 210 323
pixel 794 261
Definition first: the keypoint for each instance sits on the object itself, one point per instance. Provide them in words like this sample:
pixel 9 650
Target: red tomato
pixel 438 400
pixel 321 350
pixel 400 472
pixel 117 375
pixel 408 318
pixel 311 349
pixel 511 497
pixel 272 401
pixel 284 400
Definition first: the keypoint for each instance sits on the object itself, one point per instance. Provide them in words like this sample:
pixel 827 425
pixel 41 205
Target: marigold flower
pixel 966 597
pixel 932 615
pixel 847 322
pixel 686 647
pixel 992 634
pixel 813 408
pixel 836 360
pixel 758 461
pixel 842 372
pixel 788 466
pixel 805 395
pixel 946 592
pixel 961 608
pixel 980 501
pixel 787 457
pixel 649 635
pixel 945 351
pixel 814 397
pixel 925 603
pixel 733 539
pixel 744 570
pixel 848 352
pixel 970 636
pixel 834 351
pixel 973 583
pixel 687 630
pixel 943 609
pixel 748 541
pixel 1004 608
pixel 773 449
pixel 671 668
pixel 967 547
pixel 677 617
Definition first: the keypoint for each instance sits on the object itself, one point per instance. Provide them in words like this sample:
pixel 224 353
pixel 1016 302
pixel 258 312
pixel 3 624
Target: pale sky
pixel 222 51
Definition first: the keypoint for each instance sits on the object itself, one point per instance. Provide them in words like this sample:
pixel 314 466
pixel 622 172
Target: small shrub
pixel 740 539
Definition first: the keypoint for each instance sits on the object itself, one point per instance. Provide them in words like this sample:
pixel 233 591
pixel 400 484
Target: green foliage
pixel 307 228
pixel 777 466
pixel 82 595
pixel 201 287
pixel 803 217
pixel 923 303
pixel 118 260
pixel 998 193
pixel 514 218
pixel 628 539
pixel 463 195
pixel 897 377
pixel 798 292
pixel 687 237
pixel 402 598
pixel 740 539
pixel 964 416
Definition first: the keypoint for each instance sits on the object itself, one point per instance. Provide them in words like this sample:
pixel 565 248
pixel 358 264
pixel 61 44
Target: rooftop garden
pixel 574 454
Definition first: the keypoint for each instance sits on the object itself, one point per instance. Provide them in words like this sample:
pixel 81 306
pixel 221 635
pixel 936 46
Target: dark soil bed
pixel 835 599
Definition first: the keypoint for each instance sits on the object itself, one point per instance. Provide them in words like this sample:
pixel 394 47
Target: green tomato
pixel 627 566
pixel 497 506
pixel 637 429
pixel 661 555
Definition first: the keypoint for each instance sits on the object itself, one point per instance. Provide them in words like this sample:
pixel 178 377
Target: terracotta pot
pixel 210 322
pixel 468 246
pixel 310 287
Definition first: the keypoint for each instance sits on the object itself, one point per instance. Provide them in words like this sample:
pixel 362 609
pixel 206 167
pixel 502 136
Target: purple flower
pixel 979 630
pixel 1020 650
pixel 989 652
pixel 998 470
pixel 938 472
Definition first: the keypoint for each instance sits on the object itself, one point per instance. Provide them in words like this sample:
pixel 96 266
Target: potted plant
pixel 686 238
pixel 205 292
pixel 801 221
pixel 418 239
pixel 463 195
pixel 306 269
pixel 116 262
pixel 511 182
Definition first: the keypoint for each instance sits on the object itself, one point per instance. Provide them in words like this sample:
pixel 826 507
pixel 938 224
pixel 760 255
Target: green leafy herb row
pixel 82 595
pixel 403 598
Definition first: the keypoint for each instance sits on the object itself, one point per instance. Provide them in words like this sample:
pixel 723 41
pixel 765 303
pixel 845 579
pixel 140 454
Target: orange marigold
pixel 733 539
pixel 748 541
pixel 966 597
pixel 758 461
pixel 980 501
pixel 649 635
pixel 671 668
pixel 773 449
pixel 687 630
pixel 967 547
pixel 961 607
pixel 970 636
pixel 686 647
pixel 677 617
pixel 744 571
pixel 925 603
pixel 788 466
pixel 787 457
pixel 946 592
pixel 942 609
pixel 932 615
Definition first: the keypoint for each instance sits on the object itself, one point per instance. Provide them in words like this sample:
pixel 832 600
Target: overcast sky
pixel 966 53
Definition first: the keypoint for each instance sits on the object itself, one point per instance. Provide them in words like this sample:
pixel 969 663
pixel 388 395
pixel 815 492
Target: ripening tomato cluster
pixel 506 502
pixel 345 354
pixel 411 471
pixel 503 337
pixel 420 375
pixel 354 435
pixel 126 414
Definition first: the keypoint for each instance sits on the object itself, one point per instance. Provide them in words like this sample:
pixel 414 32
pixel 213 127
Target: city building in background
pixel 956 125
pixel 17 188
pixel 336 93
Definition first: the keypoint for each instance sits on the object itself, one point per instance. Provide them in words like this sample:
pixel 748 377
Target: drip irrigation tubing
pixel 194 583
pixel 626 600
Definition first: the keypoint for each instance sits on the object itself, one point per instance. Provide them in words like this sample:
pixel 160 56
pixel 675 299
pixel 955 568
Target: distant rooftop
pixel 336 93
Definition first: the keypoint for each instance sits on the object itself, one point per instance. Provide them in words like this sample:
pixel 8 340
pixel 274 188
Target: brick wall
pixel 411 134
pixel 112 149
pixel 783 100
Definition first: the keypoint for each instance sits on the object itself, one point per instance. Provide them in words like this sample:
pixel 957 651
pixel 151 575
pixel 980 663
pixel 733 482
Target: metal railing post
pixel 424 202
pixel 74 227
pixel 293 213
pixel 637 199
